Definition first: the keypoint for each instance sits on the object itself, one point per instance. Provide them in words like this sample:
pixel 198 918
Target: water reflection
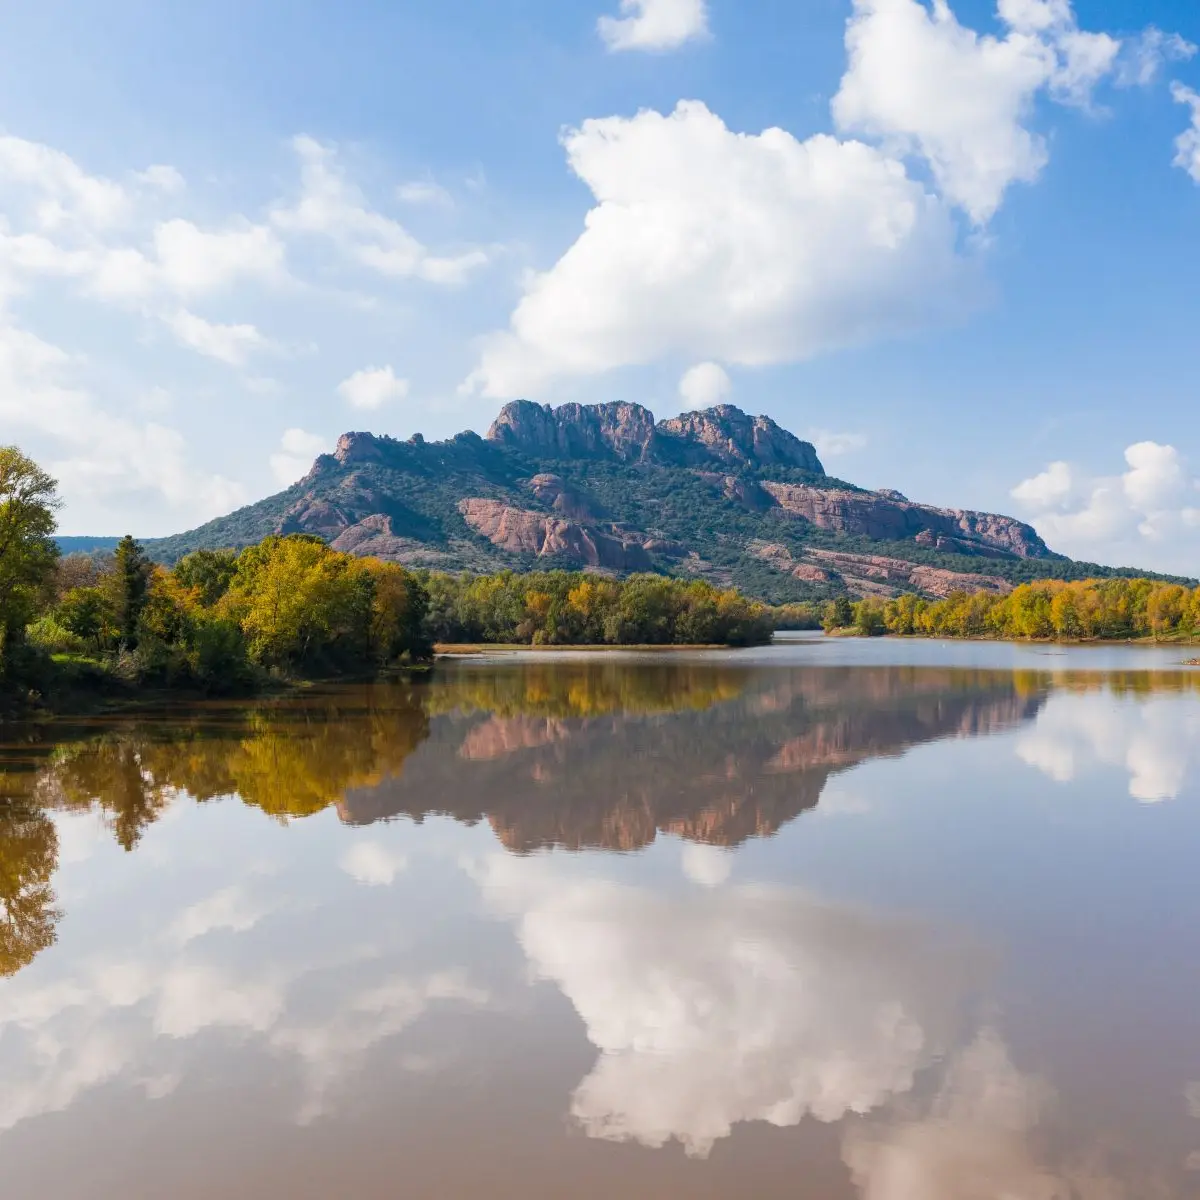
pixel 743 1003
pixel 960 996
pixel 28 858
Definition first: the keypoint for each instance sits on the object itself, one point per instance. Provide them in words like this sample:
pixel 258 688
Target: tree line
pixel 291 605
pixel 1047 610
pixel 555 608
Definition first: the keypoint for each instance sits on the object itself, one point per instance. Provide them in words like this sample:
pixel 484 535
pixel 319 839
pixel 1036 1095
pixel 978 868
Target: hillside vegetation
pixel 718 495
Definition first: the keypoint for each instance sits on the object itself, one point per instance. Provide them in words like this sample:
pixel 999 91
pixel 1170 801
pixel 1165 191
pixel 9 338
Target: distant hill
pixel 716 494
pixel 86 545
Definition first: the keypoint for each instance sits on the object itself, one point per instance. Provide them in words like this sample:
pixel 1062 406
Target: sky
pixel 957 245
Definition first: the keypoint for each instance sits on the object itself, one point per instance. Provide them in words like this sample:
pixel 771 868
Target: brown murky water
pixel 855 922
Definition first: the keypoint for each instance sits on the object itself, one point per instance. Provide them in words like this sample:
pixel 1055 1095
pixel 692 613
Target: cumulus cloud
pixel 654 24
pixel 733 1004
pixel 332 207
pixel 706 243
pixel 99 454
pixel 927 85
pixel 1154 740
pixel 230 344
pixel 1187 144
pixel 705 384
pixel 295 457
pixel 57 190
pixel 372 388
pixel 1151 512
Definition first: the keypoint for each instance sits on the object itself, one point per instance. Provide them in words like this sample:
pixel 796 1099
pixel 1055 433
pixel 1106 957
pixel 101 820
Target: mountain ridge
pixel 714 493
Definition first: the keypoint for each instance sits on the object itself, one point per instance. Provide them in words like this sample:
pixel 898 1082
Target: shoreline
pixel 472 649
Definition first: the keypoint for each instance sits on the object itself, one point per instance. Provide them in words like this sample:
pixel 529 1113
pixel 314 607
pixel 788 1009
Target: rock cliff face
pixel 537 535
pixel 726 435
pixel 717 437
pixel 625 431
pixel 606 487
pixel 889 517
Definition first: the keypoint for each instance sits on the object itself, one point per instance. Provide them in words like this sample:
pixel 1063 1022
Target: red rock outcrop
pixel 520 531
pixel 575 430
pixel 875 574
pixel 725 434
pixel 555 492
pixel 876 515
pixel 720 436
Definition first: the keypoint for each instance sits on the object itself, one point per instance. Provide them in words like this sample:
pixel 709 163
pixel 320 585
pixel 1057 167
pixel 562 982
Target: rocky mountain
pixel 716 494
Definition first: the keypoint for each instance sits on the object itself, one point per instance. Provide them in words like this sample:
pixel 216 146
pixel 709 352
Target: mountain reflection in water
pixel 937 1002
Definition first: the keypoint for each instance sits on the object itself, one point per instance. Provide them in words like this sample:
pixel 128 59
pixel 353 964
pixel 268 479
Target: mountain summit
pixel 716 494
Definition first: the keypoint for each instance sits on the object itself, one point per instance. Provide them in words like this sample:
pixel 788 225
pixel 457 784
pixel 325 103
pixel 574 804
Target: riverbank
pixel 467 649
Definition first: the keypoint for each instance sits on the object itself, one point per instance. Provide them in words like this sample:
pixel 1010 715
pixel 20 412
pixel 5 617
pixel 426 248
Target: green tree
pixel 207 573
pixel 839 614
pixel 87 613
pixel 869 618
pixel 28 553
pixel 130 588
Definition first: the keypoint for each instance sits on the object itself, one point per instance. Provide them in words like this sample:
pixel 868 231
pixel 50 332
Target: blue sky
pixel 957 246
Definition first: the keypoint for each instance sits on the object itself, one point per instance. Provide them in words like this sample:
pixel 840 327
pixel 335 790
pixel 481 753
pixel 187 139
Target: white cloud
pixel 710 1008
pixel 921 81
pixel 705 384
pixel 1153 740
pixel 752 249
pixel 1149 516
pixel 424 191
pixel 373 863
pixel 1051 489
pixel 330 206
pixel 230 344
pixel 1143 57
pixel 372 388
pixel 100 456
pixel 834 445
pixel 298 448
pixel 63 194
pixel 193 261
pixel 655 24
pixel 1187 144
pixel 162 177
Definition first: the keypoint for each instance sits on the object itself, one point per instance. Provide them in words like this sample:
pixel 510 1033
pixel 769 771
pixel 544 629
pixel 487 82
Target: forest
pixel 1046 610
pixel 291 607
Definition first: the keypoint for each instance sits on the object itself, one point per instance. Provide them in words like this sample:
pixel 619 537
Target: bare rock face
pixel 896 575
pixel 519 531
pixel 554 491
pixel 358 448
pixel 575 430
pixel 875 515
pixel 874 574
pixel 718 437
pixel 725 434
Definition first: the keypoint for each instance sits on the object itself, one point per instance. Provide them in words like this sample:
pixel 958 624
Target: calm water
pixel 828 921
